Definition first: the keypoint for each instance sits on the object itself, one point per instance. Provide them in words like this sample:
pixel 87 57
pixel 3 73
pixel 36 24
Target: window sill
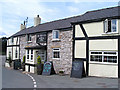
pixel 29 41
pixel 56 58
pixel 55 40
pixel 110 33
pixel 103 63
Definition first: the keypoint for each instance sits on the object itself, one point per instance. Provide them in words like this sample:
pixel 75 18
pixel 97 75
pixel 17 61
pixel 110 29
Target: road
pixel 15 79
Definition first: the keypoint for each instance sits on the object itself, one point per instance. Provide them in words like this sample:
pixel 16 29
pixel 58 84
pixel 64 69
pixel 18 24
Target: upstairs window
pixel 110 26
pixel 28 37
pixel 55 34
pixel 12 40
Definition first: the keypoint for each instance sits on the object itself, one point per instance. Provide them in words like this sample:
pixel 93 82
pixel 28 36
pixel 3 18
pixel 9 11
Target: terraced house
pixel 93 38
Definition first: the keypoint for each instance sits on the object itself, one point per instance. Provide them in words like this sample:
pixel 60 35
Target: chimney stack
pixel 22 26
pixel 37 20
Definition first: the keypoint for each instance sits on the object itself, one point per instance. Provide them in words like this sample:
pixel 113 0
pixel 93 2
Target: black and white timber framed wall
pixel 88 38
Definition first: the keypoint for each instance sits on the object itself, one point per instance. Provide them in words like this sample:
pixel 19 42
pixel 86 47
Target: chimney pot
pixel 22 26
pixel 37 20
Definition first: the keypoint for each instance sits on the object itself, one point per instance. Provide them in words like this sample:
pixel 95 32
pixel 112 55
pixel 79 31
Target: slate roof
pixel 66 23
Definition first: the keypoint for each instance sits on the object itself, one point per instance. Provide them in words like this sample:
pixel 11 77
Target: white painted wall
pixel 103 70
pixel 85 65
pixel 78 31
pixel 94 29
pixel 80 49
pixel 32 69
pixel 26 68
pixel 105 44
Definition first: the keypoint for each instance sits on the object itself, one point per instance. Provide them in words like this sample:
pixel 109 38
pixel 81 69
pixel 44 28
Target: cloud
pixel 2 33
pixel 73 9
pixel 14 12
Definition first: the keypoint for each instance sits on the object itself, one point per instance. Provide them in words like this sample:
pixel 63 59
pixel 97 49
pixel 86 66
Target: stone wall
pixel 65 45
pixel 24 43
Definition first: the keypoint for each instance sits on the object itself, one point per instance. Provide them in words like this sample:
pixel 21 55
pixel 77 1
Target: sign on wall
pixel 41 38
pixel 77 69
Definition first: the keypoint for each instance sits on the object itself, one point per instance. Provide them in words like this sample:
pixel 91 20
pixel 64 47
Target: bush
pixel 10 60
pixel 23 59
pixel 38 60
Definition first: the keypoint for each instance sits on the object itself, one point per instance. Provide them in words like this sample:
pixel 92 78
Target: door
pixel 42 54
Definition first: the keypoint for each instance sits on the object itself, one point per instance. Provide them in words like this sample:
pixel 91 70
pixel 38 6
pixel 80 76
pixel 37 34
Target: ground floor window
pixel 56 53
pixel 104 56
pixel 16 53
pixel 29 54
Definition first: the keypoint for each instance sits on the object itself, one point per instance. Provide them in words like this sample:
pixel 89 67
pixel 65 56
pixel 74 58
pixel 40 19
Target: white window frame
pixel 106 26
pixel 103 57
pixel 55 35
pixel 55 51
pixel 30 54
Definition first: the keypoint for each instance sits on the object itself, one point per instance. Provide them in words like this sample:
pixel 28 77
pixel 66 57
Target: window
pixel 104 56
pixel 28 37
pixel 55 34
pixel 16 53
pixel 110 26
pixel 29 54
pixel 56 53
pixel 12 40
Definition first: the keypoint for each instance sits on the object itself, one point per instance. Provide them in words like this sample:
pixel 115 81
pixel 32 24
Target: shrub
pixel 38 60
pixel 10 60
pixel 23 59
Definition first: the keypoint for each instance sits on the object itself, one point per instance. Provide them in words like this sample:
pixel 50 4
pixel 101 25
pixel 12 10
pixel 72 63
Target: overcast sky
pixel 14 12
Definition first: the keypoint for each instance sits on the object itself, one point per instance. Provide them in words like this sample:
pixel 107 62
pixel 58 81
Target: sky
pixel 14 12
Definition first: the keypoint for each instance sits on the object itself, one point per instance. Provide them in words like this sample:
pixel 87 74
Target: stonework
pixel 65 45
pixel 24 43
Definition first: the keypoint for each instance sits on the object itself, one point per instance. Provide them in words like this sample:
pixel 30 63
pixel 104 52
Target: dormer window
pixel 28 37
pixel 55 34
pixel 110 26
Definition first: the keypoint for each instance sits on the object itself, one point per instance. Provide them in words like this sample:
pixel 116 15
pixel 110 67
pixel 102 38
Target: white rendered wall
pixel 26 68
pixel 103 70
pixel 80 49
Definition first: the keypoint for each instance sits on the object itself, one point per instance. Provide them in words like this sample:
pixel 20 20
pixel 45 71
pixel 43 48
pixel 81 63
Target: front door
pixel 42 54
